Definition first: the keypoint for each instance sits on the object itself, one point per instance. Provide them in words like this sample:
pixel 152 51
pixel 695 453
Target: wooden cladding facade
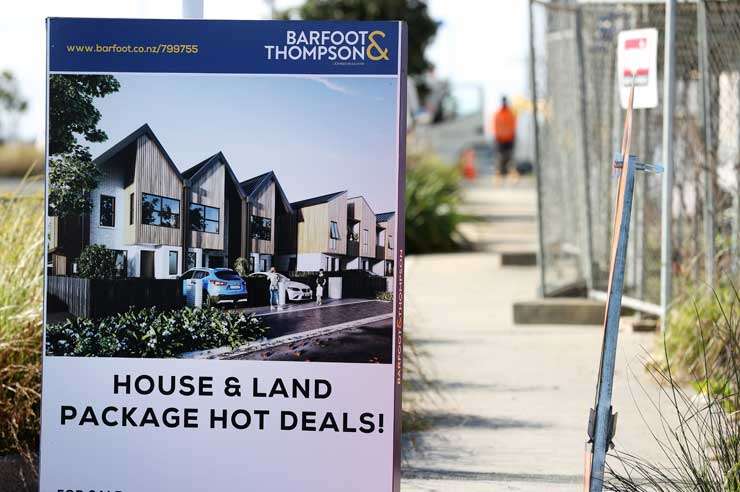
pixel 314 229
pixel 390 237
pixel 154 175
pixel 366 227
pixel 209 189
pixel 264 206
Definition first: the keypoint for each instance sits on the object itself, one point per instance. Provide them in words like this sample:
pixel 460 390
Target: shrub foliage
pixel 433 196
pixel 97 262
pixel 152 333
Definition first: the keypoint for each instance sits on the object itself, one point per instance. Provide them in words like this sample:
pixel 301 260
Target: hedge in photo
pixel 152 333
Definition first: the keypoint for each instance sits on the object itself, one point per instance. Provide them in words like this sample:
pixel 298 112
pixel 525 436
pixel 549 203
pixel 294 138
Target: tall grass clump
pixel 433 196
pixel 698 405
pixel 21 284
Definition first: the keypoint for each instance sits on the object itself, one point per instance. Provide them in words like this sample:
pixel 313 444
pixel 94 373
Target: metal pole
pixel 192 9
pixel 537 164
pixel 669 95
pixel 640 200
pixel 705 109
pixel 603 418
pixel 582 99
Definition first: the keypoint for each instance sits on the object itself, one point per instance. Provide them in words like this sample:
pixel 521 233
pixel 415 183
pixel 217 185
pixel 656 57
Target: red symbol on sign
pixel 641 77
pixel 635 44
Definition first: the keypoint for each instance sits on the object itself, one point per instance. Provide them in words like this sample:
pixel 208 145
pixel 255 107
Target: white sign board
pixel 637 58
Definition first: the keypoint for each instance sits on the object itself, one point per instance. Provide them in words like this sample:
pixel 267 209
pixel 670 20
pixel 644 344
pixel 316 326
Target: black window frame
pixel 113 211
pixel 131 199
pixel 257 230
pixel 194 226
pixel 159 212
pixel 169 262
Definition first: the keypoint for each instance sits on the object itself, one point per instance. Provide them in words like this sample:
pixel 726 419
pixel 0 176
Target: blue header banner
pixel 221 46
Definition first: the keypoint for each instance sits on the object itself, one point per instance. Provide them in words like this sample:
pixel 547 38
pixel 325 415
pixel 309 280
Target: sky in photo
pixel 319 135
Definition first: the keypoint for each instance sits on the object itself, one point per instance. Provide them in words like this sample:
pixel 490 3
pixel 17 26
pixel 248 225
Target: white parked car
pixel 295 291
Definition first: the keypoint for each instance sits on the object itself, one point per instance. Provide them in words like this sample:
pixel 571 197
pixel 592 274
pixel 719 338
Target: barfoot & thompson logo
pixel 338 46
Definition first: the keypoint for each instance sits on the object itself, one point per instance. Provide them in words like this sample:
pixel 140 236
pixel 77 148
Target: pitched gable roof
pixel 360 197
pixel 308 202
pixel 194 171
pixel 385 216
pixel 131 138
pixel 253 186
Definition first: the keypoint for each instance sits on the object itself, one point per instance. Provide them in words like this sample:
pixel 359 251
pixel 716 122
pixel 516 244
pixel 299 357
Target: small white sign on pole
pixel 637 57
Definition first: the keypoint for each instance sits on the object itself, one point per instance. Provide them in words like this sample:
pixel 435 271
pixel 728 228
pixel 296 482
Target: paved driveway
pixel 304 318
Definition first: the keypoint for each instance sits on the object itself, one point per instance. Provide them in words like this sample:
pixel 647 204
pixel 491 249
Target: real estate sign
pixel 224 242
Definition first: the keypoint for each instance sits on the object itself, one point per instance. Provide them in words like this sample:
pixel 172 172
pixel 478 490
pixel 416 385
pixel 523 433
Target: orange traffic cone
pixel 469 170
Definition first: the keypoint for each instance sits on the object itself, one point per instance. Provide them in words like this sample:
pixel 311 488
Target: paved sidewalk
pixel 514 400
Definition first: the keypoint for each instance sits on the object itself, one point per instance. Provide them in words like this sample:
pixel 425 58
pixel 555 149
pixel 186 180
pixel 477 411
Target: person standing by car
pixel 320 284
pixel 504 130
pixel 274 280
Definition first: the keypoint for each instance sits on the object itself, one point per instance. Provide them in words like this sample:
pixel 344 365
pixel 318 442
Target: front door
pixel 147 264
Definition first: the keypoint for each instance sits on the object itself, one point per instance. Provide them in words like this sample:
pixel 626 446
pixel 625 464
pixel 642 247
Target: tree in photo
pixel 97 262
pixel 422 28
pixel 71 178
pixel 73 116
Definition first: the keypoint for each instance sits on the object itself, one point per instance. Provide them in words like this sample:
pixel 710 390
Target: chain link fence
pixel 580 125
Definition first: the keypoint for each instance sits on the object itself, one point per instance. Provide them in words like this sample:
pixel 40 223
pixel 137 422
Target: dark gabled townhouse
pixel 270 229
pixel 386 249
pixel 136 212
pixel 158 221
pixel 216 214
pixel 322 238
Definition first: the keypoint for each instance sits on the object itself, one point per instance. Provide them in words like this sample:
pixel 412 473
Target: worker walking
pixel 504 130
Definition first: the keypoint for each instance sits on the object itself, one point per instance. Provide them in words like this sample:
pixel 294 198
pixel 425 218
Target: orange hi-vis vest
pixel 504 125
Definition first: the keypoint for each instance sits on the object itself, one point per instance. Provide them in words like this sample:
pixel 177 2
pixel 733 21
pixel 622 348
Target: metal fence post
pixel 669 95
pixel 583 141
pixel 705 108
pixel 537 166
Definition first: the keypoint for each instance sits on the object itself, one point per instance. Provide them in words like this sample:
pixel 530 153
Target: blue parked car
pixel 218 284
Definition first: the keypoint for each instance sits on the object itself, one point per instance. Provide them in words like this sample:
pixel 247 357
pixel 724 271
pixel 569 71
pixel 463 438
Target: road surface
pixel 344 331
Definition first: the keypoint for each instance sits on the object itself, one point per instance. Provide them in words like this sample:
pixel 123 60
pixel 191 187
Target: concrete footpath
pixel 513 401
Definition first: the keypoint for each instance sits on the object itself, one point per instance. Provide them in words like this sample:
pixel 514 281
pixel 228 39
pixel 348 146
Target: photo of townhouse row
pixel 160 221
